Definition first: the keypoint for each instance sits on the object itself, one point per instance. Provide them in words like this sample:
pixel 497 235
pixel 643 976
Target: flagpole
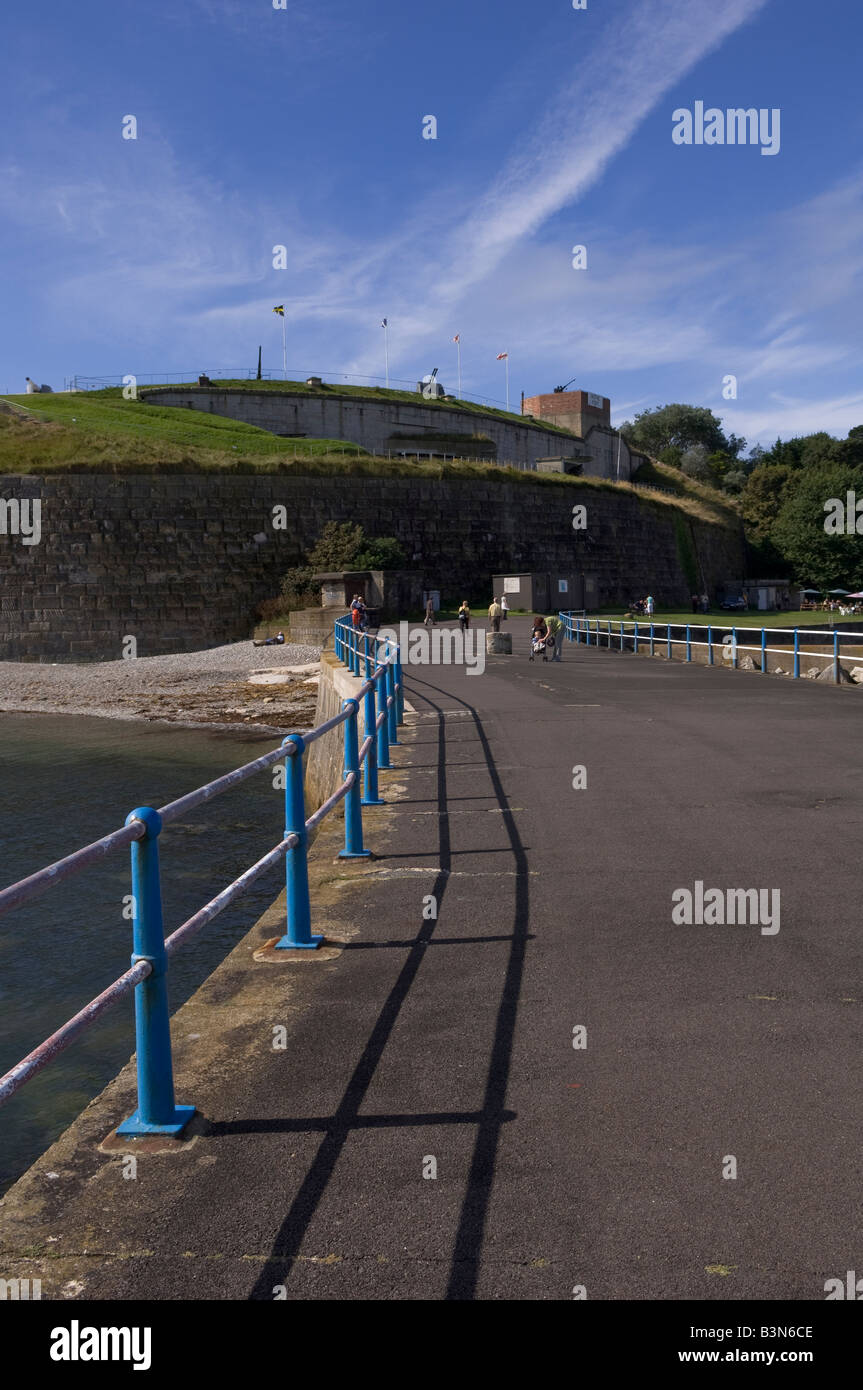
pixel 284 348
pixel 507 381
pixel 458 346
pixel 387 353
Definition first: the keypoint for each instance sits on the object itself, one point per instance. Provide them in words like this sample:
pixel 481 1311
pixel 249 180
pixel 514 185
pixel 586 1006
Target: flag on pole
pixel 385 327
pixel 280 310
pixel 457 338
pixel 504 357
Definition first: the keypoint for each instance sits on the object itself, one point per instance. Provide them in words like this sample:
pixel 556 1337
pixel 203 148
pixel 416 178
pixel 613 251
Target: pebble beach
pixel 232 686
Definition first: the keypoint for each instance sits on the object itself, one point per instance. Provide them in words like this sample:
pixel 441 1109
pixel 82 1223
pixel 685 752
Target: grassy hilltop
pixel 100 432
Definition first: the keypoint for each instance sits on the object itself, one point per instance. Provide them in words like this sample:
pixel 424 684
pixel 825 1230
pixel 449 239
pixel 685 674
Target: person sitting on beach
pixel 276 641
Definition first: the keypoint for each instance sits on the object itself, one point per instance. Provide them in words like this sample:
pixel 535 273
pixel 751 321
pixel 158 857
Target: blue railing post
pixel 688 642
pixel 734 649
pixel 157 1112
pixel 668 640
pixel 836 655
pixel 764 650
pixel 621 636
pixel 608 644
pixel 384 763
pixel 796 653
pixel 299 933
pixel 371 796
pixel 635 644
pixel 651 639
pixel 710 646
pixel 400 689
pixel 353 806
pixel 392 718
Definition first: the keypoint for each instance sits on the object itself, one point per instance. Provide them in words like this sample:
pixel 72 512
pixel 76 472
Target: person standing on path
pixel 429 617
pixel 648 604
pixel 495 612
pixel 504 604
pixel 464 615
pixel 555 636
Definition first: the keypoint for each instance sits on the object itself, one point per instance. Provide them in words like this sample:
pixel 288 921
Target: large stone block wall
pixel 180 561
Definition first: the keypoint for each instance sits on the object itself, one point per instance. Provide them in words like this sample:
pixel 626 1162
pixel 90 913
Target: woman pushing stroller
pixel 541 640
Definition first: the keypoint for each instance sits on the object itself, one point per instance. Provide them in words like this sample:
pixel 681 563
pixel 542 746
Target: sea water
pixel 64 782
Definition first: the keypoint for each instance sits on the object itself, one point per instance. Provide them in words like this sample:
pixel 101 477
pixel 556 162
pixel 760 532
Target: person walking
pixel 648 605
pixel 504 604
pixel 495 612
pixel 429 617
pixel 464 615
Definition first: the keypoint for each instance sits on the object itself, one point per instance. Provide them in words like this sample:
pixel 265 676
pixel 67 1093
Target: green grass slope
pixel 99 432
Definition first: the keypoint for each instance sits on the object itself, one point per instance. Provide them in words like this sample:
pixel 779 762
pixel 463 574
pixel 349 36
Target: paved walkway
pixel 452 1039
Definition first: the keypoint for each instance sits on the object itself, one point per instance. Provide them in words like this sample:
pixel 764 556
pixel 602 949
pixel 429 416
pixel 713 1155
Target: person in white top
pixel 505 606
pixel 648 604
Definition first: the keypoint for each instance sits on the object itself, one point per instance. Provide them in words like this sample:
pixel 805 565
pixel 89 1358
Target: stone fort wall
pixel 376 425
pixel 181 561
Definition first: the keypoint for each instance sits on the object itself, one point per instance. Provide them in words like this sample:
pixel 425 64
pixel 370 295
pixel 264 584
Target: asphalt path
pixel 451 1038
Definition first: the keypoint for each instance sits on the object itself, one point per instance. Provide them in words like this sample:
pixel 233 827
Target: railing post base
pixel 286 944
pixel 135 1125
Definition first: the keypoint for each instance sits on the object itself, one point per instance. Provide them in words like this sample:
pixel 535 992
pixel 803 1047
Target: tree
pixel 695 464
pixel 850 451
pixel 337 547
pixel 734 480
pixel 678 425
pixel 823 559
pixel 762 498
pixel 380 553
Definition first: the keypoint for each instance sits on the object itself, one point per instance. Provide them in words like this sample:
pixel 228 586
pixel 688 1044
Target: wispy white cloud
pixel 592 117
pixel 786 416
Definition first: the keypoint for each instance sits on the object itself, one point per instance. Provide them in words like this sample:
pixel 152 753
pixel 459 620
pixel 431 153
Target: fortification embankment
pixel 179 562
pixel 379 426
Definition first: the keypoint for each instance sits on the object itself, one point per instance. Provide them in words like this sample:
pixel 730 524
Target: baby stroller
pixel 541 646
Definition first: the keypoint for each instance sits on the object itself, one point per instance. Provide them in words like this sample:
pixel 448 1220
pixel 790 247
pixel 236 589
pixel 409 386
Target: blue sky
pixel 303 127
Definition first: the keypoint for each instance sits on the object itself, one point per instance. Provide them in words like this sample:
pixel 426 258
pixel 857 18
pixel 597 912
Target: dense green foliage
pixel 340 546
pixel 786 503
pixel 784 492
pixel 691 438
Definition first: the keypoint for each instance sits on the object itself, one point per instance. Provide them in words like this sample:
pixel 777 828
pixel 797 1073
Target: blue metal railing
pixel 598 631
pixel 157 1111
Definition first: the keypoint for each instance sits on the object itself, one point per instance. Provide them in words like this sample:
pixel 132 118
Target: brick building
pixel 588 416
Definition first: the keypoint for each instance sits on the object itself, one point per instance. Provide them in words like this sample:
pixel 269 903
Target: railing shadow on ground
pixel 491 1115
